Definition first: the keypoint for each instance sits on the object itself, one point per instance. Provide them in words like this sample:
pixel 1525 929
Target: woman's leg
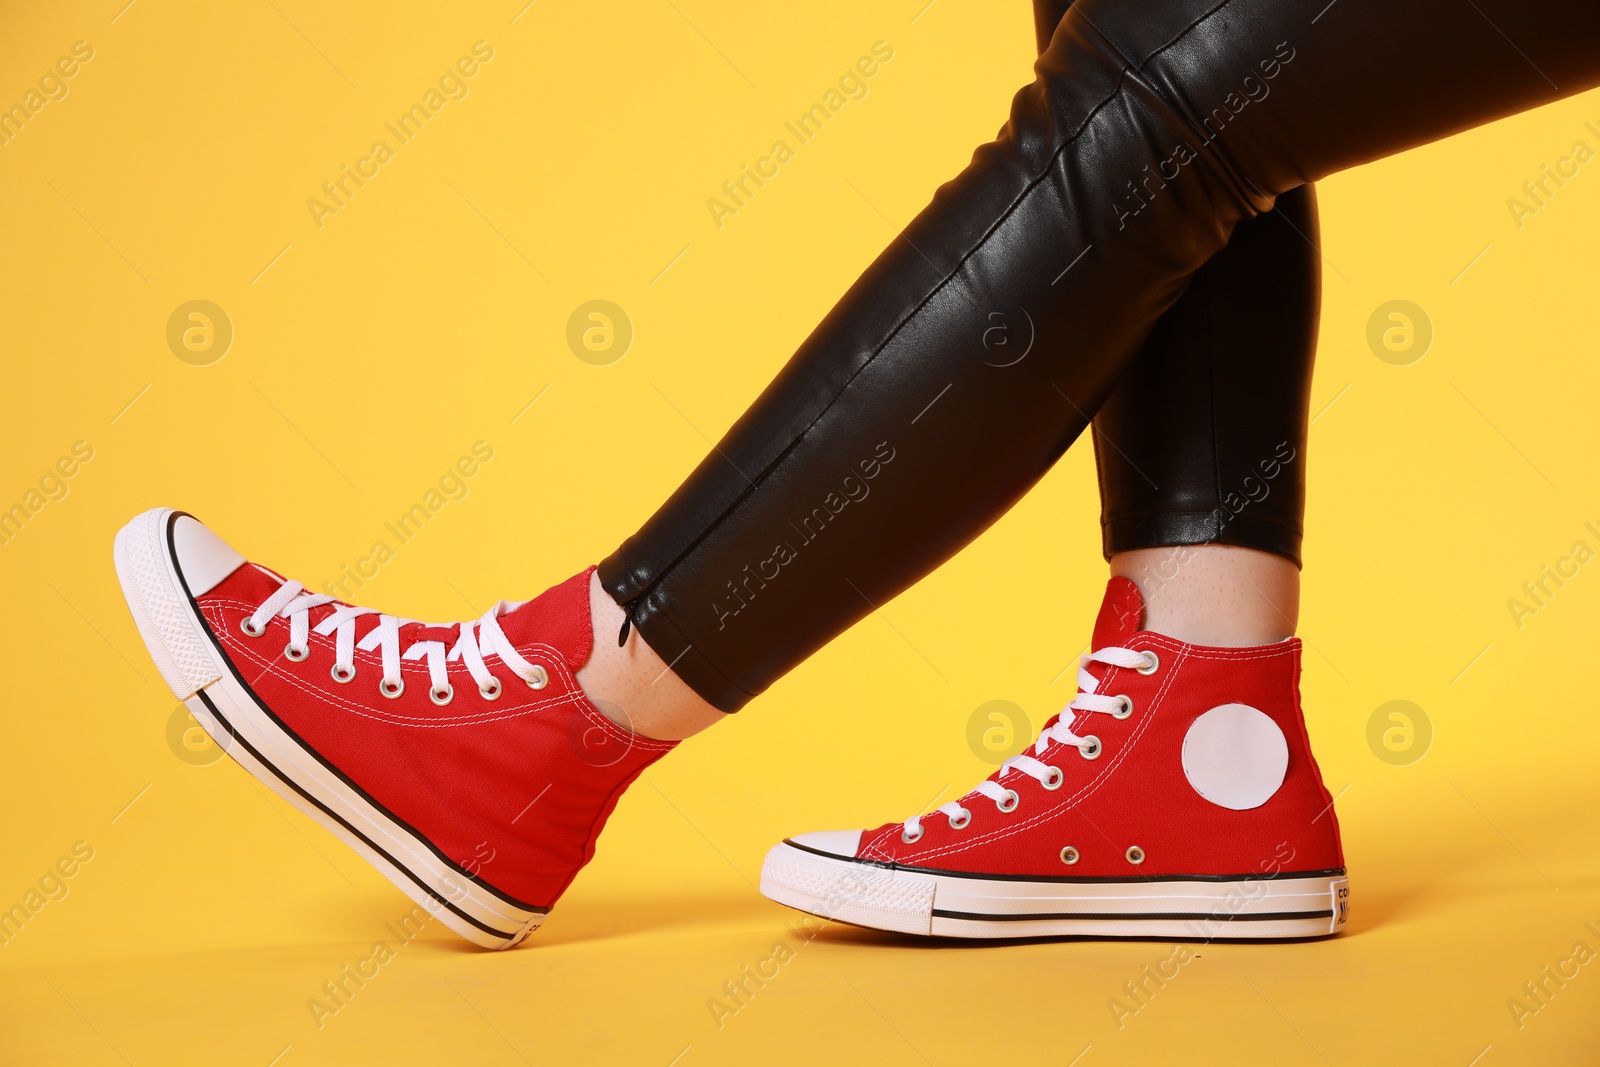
pixel 1201 447
pixel 900 430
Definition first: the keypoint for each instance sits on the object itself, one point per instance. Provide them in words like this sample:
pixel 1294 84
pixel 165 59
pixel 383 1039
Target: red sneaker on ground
pixel 1176 798
pixel 462 760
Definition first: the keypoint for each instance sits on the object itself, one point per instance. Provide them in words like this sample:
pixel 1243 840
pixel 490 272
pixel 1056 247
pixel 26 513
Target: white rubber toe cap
pixel 204 558
pixel 150 575
pixel 834 842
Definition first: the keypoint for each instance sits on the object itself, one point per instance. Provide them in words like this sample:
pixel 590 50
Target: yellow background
pixel 426 315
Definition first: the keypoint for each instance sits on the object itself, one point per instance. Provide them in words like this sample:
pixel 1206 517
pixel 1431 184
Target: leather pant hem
pixel 656 628
pixel 1211 526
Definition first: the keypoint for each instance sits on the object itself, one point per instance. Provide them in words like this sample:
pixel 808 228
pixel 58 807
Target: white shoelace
pixel 1049 775
pixel 478 638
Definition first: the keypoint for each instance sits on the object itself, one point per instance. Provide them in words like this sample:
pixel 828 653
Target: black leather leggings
pixel 903 426
pixel 1203 441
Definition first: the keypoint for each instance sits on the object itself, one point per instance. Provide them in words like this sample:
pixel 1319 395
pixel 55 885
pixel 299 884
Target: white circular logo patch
pixel 1235 756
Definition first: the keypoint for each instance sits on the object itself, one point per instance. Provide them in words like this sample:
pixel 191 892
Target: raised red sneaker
pixel 462 760
pixel 1175 797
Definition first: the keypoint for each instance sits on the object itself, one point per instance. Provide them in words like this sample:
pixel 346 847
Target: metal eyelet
pixel 1069 855
pixel 1124 706
pixel 1009 802
pixel 247 624
pixel 1090 747
pixel 905 835
pixel 1053 781
pixel 538 678
pixel 962 821
pixel 442 694
pixel 492 691
pixel 392 688
pixel 1153 663
pixel 342 674
pixel 296 654
pixel 1135 855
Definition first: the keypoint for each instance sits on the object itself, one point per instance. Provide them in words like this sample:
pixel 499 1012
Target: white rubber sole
pixel 199 674
pixel 942 904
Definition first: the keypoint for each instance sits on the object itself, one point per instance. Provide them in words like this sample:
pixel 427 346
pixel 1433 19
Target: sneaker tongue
pixel 558 617
pixel 413 632
pixel 1121 613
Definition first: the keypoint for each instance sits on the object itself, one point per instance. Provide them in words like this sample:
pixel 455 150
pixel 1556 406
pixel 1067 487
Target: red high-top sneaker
pixel 1180 799
pixel 461 760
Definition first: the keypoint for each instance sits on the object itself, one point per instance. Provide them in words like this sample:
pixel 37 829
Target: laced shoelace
pixel 478 639
pixel 1032 764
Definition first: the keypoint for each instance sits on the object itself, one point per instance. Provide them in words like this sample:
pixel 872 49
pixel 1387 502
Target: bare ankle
pixel 1217 595
pixel 632 685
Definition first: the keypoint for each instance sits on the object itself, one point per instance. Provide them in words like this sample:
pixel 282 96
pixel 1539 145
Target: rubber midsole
pixel 926 902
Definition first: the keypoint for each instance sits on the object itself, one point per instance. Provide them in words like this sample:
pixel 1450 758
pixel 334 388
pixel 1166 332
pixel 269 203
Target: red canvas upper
pixel 1136 793
pixel 514 791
